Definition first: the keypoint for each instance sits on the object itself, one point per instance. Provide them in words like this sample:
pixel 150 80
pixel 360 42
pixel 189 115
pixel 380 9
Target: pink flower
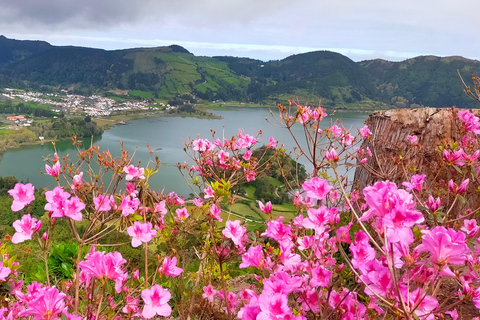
pixel 56 200
pixel 209 293
pixel 216 212
pixel 156 302
pixel 265 208
pixel 278 231
pixel 22 195
pixel 446 246
pixel 102 203
pixel 25 228
pixel 72 209
pixel 134 173
pixel 130 189
pixel 272 143
pixel 77 181
pixel 320 277
pixel 470 227
pixel 182 214
pixel 433 204
pixel 317 188
pixel 209 193
pixel 336 131
pixel 247 155
pixel 198 202
pixel 131 306
pixel 471 121
pixel 234 231
pixel 365 132
pixel 463 186
pixel 249 175
pixel 48 303
pixel 415 183
pixel 252 258
pixel 141 233
pixel 4 272
pixel 412 139
pixel 169 267
pixel 332 155
pixel 104 266
pixel 129 205
pixel 54 171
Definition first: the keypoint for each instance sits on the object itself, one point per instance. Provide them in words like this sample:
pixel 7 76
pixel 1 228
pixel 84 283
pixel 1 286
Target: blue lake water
pixel 167 133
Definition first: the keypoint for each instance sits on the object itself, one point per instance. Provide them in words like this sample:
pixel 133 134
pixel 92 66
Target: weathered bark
pixel 394 158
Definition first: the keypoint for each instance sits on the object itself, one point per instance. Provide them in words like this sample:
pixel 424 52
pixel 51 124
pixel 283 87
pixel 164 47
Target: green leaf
pixel 457 169
pixel 462 199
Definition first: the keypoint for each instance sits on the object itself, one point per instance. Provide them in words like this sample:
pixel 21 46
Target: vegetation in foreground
pixel 395 251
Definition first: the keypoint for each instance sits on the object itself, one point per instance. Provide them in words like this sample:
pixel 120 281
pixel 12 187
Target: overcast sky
pixel 262 29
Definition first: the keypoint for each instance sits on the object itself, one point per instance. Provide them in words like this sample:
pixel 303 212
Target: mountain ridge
pixel 172 71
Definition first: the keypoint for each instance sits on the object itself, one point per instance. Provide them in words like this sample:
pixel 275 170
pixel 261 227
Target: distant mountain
pixel 424 80
pixel 169 72
pixel 15 50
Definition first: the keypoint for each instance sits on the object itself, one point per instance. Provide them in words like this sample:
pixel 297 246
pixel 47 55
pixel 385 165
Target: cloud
pixel 267 29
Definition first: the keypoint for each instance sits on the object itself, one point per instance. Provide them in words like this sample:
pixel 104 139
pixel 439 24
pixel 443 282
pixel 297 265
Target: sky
pixel 261 29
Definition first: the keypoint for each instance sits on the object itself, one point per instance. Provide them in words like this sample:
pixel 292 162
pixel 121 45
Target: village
pixel 94 106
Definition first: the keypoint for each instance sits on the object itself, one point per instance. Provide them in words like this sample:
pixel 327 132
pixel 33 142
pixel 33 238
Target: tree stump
pixel 393 157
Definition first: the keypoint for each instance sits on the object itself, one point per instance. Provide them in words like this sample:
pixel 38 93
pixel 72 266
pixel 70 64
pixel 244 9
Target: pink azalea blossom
pixel 160 208
pixel 48 303
pixel 169 267
pixel 470 120
pixel 415 183
pixel 252 258
pixel 134 173
pixel 53 171
pixel 141 233
pixel 102 203
pixel 104 266
pixel 130 189
pixel 209 293
pixel 235 231
pixel 209 193
pixel 22 195
pixel 470 227
pixel 77 181
pixel 182 214
pixel 25 228
pixel 317 188
pixel 131 306
pixel 56 201
pixel 320 277
pixel 72 208
pixel 249 175
pixel 198 202
pixel 336 131
pixel 347 139
pixel 412 139
pixel 216 212
pixel 433 204
pixel 272 143
pixel 4 272
pixel 129 205
pixel 265 208
pixel 156 302
pixel 446 246
pixel 365 132
pixel 247 155
pixel 332 155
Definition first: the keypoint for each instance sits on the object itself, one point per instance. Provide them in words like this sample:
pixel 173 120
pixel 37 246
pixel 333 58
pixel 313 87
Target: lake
pixel 167 133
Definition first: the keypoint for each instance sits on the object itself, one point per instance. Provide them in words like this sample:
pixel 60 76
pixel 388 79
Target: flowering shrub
pixel 384 251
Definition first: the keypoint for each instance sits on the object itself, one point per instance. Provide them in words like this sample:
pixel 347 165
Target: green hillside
pixel 166 73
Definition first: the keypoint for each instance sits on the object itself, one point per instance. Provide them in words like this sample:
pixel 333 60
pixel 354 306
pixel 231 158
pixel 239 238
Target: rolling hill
pixel 171 72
